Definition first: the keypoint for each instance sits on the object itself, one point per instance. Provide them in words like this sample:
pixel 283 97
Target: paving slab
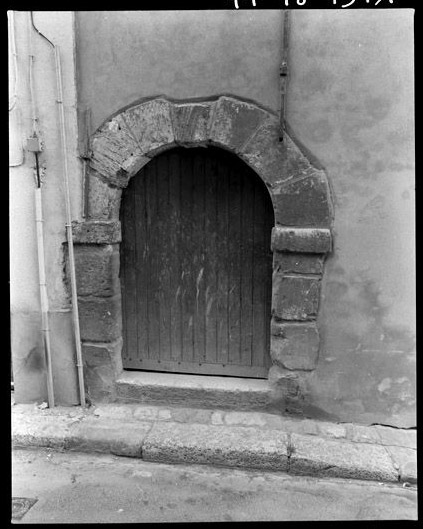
pixel 405 461
pixel 311 455
pixel 397 437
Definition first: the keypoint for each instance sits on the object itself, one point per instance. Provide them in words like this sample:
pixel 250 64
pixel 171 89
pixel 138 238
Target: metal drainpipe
pixel 74 295
pixel 33 145
pixel 284 72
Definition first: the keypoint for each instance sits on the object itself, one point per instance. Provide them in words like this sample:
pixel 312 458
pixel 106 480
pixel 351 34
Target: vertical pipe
pixel 40 238
pixel 284 72
pixel 75 312
pixel 43 293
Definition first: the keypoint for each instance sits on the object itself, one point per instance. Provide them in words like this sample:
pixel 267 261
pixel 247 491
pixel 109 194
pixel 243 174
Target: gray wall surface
pixel 350 102
pixel 26 336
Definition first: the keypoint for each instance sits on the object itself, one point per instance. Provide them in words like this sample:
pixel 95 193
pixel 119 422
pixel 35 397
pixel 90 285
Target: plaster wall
pixel 26 338
pixel 351 103
pixel 124 56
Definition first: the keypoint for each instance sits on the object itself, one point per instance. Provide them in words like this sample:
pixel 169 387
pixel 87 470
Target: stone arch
pixel 301 238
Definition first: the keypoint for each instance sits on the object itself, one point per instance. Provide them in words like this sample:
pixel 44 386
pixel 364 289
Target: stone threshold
pixel 195 391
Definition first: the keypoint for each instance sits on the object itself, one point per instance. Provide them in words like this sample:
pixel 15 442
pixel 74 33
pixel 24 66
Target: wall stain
pixel 315 81
pixel 34 361
pixel 377 107
pixel 319 131
pixel 367 349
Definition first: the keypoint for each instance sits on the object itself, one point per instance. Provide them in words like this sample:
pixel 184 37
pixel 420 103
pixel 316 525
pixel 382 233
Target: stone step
pixel 196 391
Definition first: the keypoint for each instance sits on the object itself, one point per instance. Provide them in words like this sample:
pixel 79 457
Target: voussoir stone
pixel 191 122
pixel 113 146
pixel 266 154
pixel 150 124
pixel 303 202
pixel 234 122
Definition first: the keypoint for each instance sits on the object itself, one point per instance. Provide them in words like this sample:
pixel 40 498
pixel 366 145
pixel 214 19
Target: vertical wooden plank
pixel 162 243
pixel 211 258
pixel 152 249
pixel 122 278
pixel 234 290
pixel 268 266
pixel 222 264
pixel 247 242
pixel 173 250
pixel 129 260
pixel 187 280
pixel 260 281
pixel 141 265
pixel 198 257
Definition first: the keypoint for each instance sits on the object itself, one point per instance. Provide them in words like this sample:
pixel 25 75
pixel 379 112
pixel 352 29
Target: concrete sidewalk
pixel 225 438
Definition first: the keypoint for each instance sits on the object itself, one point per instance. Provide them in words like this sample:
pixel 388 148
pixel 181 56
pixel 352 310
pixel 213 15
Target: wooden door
pixel 196 266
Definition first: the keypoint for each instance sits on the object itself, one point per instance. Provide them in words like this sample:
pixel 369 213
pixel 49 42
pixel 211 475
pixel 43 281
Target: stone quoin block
pixel 113 147
pixel 295 297
pixel 289 390
pixel 299 263
pixel 102 365
pixel 307 240
pixel 150 124
pixel 303 202
pixel 294 346
pixel 96 232
pixel 97 270
pixel 191 122
pixel 284 382
pixel 101 354
pixel 103 199
pixel 100 318
pixel 234 122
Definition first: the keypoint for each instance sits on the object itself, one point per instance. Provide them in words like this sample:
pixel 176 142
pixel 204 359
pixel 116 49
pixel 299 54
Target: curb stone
pixel 231 439
pixel 330 458
pixel 229 446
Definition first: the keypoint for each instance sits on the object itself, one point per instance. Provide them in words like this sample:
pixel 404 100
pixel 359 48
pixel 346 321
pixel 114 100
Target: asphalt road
pixel 97 488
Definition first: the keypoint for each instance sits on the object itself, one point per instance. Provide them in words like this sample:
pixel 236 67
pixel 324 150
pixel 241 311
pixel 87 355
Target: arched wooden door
pixel 196 266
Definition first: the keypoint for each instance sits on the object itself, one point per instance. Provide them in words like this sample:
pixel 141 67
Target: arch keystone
pixel 191 122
